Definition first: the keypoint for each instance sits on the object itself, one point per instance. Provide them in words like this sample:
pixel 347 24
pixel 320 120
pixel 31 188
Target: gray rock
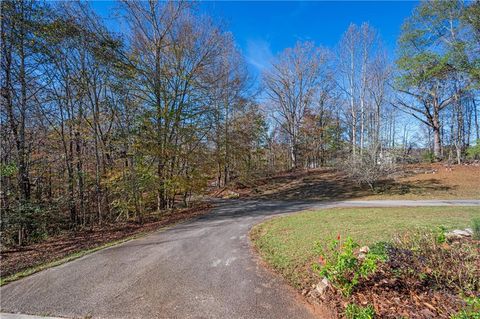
pixel 462 233
pixel 458 233
pixel 362 253
pixel 364 249
pixel 322 286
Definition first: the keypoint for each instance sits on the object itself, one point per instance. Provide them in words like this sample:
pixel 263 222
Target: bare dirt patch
pixel 419 181
pixel 423 181
pixel 319 184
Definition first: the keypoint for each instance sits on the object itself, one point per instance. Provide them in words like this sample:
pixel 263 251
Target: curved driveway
pixel 203 268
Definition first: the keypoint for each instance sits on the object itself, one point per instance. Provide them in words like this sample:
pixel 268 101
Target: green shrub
pixel 428 157
pixel 472 311
pixel 354 311
pixel 473 152
pixel 466 315
pixel 476 228
pixel 380 249
pixel 340 265
pixel 27 223
pixel 8 170
pixel 440 234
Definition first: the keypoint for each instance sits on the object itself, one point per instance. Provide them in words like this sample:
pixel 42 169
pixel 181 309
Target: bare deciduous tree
pixel 290 84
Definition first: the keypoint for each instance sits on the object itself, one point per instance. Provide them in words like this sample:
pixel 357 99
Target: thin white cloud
pixel 259 53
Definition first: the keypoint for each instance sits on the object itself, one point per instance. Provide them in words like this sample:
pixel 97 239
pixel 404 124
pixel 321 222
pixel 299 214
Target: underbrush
pixel 415 275
pixel 340 264
pixel 20 261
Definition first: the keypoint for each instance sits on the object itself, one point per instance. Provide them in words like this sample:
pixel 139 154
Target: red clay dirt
pixel 414 181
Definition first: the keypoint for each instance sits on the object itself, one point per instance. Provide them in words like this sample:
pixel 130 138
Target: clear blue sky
pixel 263 29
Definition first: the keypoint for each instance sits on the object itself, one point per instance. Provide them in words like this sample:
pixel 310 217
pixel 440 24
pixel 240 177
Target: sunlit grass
pixel 286 243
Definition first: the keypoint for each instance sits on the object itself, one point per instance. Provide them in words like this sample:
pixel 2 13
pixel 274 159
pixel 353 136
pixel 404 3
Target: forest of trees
pixel 99 126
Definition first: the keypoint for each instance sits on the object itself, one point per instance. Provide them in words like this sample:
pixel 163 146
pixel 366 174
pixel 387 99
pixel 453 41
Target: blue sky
pixel 265 28
pixel 262 29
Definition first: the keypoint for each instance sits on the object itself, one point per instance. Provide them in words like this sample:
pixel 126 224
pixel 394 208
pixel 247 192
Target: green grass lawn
pixel 286 243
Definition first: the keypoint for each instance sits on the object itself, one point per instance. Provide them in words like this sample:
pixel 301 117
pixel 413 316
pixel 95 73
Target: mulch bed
pixel 394 299
pixel 16 259
pixel 394 296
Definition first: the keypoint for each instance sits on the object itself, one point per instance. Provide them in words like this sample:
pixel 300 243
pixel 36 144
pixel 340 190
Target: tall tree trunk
pixel 71 181
pixel 352 105
pixel 96 140
pixel 293 149
pixel 477 124
pixel 437 140
pixel 18 124
pixel 80 177
pixel 226 155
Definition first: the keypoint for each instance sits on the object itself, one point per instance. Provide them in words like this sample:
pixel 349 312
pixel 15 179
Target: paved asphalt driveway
pixel 200 269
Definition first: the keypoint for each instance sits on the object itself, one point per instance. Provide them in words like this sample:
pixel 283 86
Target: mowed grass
pixel 286 243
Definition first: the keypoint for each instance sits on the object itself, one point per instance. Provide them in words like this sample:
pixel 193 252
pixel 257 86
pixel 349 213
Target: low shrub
pixel 472 311
pixel 381 249
pixel 428 157
pixel 441 265
pixel 476 228
pixel 354 311
pixel 369 169
pixel 28 223
pixel 473 152
pixel 440 234
pixel 340 264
